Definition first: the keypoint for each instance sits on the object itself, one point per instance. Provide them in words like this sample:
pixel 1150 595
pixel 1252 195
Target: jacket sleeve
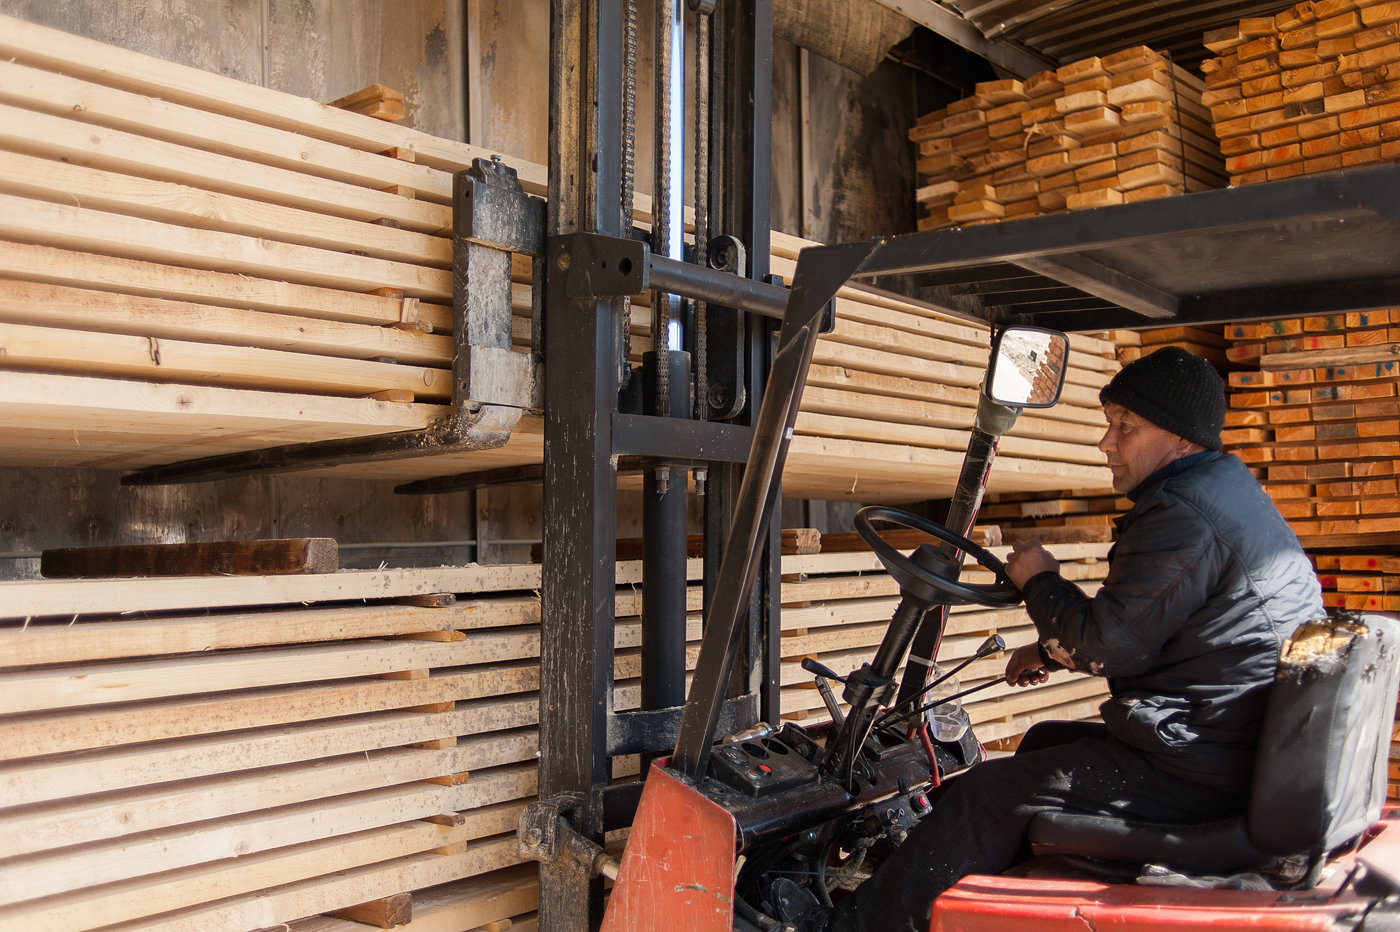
pixel 1161 573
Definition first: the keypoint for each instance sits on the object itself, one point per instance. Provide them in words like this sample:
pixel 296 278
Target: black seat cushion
pixel 1204 847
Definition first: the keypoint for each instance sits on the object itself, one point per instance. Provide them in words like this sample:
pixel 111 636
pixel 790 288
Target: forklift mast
pixel 595 260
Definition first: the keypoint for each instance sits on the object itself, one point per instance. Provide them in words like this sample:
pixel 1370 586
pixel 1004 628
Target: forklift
pixel 732 796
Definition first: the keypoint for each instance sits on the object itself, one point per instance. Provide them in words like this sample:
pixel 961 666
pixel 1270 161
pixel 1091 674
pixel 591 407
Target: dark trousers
pixel 978 825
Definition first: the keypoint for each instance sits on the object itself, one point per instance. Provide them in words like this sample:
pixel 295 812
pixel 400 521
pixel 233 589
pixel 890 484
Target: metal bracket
pixel 544 834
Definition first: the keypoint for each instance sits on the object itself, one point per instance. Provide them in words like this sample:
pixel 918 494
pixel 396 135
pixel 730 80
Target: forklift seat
pixel 1319 777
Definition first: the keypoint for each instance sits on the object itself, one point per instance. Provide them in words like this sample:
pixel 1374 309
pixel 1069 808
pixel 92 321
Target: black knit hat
pixel 1175 390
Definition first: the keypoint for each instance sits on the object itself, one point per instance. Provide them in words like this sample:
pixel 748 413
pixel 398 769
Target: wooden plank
pixel 38 875
pixel 464 904
pixel 191 887
pixel 98 231
pixel 58 94
pixel 87 819
pixel 65 687
pixel 98 771
pixel 85 729
pixel 133 276
pixel 226 558
pixel 53 305
pixel 40 134
pixel 199 208
pixel 380 102
pixel 42 47
pixel 272 907
pixel 64 642
pixel 120 356
pixel 936 437
pixel 34 598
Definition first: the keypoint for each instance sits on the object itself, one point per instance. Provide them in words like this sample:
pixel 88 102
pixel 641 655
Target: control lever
pixel 942 701
pixel 992 645
pixel 812 665
pixel 824 673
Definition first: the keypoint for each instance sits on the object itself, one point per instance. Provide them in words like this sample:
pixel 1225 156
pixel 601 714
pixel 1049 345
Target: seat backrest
pixel 1320 774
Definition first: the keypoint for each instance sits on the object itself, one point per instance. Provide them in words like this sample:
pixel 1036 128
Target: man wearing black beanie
pixel 1205 583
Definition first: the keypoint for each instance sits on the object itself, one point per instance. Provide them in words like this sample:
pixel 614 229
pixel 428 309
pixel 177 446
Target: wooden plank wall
pixel 241 752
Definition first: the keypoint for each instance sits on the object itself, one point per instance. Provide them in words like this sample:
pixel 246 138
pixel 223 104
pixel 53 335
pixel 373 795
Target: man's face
pixel 1136 448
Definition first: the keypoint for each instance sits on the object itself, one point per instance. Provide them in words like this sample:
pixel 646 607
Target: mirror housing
pixel 1028 367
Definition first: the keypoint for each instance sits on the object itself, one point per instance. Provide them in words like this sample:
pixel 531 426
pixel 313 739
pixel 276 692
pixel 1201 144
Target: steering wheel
pixel 929 582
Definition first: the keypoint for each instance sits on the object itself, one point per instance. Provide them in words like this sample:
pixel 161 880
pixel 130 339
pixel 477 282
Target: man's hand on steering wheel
pixel 1029 558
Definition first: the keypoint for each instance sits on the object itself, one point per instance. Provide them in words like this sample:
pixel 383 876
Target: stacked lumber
pixel 1075 516
pixel 238 752
pixel 186 256
pixel 891 397
pixel 1125 127
pixel 1392 782
pixel 1360 582
pixel 192 266
pixel 1315 88
pixel 1207 342
pixel 249 751
pixel 1319 420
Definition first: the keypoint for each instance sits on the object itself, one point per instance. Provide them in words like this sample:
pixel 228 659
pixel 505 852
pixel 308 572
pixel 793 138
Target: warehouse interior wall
pixel 473 70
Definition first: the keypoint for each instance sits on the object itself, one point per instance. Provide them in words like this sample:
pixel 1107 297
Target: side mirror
pixel 1028 367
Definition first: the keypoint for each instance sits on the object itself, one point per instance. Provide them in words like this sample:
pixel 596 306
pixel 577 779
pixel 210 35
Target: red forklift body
pixel 679 862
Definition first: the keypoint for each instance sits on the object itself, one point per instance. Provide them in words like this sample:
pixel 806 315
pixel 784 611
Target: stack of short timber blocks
pixel 1315 88
pixel 1125 127
pixel 1320 417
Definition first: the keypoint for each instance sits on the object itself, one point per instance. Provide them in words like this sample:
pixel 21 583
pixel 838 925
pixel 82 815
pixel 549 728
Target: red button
pixel 765 768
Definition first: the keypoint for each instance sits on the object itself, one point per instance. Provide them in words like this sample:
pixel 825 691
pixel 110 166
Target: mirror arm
pixel 993 417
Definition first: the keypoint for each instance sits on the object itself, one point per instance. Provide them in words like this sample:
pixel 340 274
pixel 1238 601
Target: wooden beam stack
pixel 1319 420
pixel 1125 127
pixel 244 752
pixel 192 266
pixel 1315 88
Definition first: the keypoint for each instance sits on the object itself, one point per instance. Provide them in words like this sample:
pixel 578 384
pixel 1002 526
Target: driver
pixel 1205 583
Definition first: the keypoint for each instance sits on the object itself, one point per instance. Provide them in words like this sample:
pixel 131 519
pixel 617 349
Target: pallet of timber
pixel 1067 517
pixel 1125 127
pixel 1207 342
pixel 1317 90
pixel 304 748
pixel 192 266
pixel 1359 582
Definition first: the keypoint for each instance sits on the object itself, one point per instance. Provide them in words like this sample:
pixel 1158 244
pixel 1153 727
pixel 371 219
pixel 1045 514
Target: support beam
pixel 1016 59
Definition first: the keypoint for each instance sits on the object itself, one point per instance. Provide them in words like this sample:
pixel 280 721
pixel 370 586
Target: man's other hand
pixel 1028 558
pixel 1024 668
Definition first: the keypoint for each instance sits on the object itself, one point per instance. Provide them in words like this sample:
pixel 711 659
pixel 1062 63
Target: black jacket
pixel 1205 583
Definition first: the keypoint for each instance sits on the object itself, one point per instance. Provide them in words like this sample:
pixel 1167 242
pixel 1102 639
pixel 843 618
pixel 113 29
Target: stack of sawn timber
pixel 1313 89
pixel 186 256
pixel 1320 418
pixel 892 394
pixel 1125 127
pixel 239 752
